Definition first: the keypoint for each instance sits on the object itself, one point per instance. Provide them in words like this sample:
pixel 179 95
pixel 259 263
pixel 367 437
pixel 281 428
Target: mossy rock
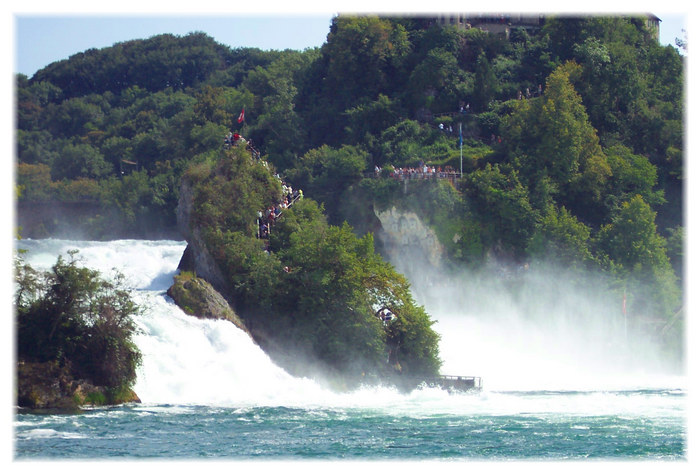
pixel 197 297
pixel 47 385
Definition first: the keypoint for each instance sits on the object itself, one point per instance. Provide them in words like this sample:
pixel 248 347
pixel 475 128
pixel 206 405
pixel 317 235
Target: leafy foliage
pixel 70 315
pixel 324 171
pixel 632 242
pixel 550 137
pixel 503 206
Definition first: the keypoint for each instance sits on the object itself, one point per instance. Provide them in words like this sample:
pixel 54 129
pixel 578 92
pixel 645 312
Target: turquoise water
pixel 209 392
pixel 184 432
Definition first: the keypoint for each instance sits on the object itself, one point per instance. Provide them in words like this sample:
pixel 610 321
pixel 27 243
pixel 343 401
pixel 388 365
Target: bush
pixel 72 316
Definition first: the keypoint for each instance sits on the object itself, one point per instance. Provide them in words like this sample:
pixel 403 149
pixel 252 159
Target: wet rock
pixel 197 297
pixel 48 385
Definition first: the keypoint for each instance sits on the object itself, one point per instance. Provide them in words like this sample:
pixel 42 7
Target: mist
pixel 536 327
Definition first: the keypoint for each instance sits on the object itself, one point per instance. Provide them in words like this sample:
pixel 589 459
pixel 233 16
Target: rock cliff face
pixel 403 233
pixel 202 292
pixel 196 257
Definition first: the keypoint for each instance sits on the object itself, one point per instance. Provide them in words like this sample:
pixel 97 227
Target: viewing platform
pixel 451 176
pixel 452 383
pixel 458 383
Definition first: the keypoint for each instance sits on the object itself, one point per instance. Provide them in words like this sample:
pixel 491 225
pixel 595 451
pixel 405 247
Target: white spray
pixel 537 327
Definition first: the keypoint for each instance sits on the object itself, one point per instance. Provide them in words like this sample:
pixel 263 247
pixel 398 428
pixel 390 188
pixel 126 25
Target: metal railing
pixel 452 176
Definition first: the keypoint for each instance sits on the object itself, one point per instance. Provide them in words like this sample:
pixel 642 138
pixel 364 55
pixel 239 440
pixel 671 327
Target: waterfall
pixel 192 361
pixel 513 345
pixel 186 360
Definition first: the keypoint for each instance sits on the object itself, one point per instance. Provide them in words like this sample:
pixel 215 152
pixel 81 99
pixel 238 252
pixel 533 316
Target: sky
pixel 41 40
pixel 42 36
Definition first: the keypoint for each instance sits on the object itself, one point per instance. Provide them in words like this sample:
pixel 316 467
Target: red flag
pixel 241 117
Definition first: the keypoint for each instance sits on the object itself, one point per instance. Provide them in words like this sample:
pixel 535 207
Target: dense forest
pixel 571 142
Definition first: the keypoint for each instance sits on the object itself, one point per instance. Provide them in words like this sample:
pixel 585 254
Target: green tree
pixel 632 242
pixel 38 146
pixel 503 208
pixel 368 49
pixel 675 249
pixel 326 172
pixel 230 192
pixel 631 238
pixel 80 160
pixel 561 238
pixel 128 198
pixel 632 174
pixel 344 282
pixel 32 101
pixel 35 182
pixel 485 84
pixel 362 58
pixel 366 120
pixel 551 136
pixel 434 83
pixel 279 131
pixel 407 143
pixel 72 316
pixel 72 117
pixel 117 149
pixel 210 107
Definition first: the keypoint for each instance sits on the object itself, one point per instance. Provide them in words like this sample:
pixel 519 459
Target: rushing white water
pixel 186 360
pixel 190 361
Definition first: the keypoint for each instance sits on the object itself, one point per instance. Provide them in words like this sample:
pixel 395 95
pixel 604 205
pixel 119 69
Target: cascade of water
pixel 191 361
pixel 185 359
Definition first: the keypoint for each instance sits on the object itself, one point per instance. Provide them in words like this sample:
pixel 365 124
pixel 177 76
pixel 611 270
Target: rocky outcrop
pixel 403 233
pixel 46 385
pixel 198 298
pixel 200 289
pixel 196 258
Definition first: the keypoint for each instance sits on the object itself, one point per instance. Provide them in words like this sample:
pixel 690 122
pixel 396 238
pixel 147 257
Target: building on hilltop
pixel 503 23
pixel 653 25
pixel 494 23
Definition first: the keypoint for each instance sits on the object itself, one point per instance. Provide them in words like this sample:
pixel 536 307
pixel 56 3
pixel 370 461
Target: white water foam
pixel 188 361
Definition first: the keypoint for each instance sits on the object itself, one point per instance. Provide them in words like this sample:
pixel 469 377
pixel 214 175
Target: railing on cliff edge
pixel 455 382
pixel 451 176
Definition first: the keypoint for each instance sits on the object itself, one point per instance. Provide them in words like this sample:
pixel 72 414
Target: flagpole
pixel 460 149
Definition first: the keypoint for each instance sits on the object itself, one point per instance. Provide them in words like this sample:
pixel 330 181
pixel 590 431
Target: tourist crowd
pixel 290 195
pixel 422 171
pixel 267 218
